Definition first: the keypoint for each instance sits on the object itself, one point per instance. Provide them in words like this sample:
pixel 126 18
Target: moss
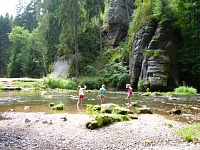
pixel 116 114
pixel 58 107
pixel 154 37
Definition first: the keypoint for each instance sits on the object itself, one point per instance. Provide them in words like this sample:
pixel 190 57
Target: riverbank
pixel 41 131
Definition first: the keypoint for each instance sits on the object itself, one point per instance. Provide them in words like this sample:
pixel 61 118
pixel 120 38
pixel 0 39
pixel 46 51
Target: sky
pixel 9 6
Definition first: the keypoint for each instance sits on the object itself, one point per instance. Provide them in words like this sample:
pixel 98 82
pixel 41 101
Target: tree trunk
pixel 76 51
pixel 100 38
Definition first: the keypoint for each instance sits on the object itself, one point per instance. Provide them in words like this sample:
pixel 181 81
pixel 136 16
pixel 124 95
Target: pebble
pixel 148 132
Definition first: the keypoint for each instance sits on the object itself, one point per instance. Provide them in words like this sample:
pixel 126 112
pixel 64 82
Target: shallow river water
pixel 38 101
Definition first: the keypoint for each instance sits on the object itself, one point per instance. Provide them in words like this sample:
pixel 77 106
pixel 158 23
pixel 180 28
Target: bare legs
pixel 129 100
pixel 103 99
pixel 80 100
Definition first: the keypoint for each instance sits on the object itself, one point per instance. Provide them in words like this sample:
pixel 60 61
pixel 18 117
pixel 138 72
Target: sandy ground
pixel 40 131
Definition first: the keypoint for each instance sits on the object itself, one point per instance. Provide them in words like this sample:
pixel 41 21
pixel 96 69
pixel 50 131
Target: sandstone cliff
pixel 154 62
pixel 119 17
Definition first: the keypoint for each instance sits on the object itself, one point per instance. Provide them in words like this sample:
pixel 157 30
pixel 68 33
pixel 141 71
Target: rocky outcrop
pixel 60 68
pixel 119 17
pixel 154 61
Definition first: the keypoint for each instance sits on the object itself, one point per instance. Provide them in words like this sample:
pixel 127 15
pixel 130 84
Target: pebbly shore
pixel 40 131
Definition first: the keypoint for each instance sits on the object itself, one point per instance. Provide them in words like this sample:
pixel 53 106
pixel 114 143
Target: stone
pixel 145 110
pixel 60 68
pixel 154 58
pixel 122 111
pixel 175 111
pixel 58 107
pixel 52 104
pixel 119 19
pixel 108 108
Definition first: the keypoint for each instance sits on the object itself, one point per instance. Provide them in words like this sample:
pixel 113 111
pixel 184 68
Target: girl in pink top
pixel 128 86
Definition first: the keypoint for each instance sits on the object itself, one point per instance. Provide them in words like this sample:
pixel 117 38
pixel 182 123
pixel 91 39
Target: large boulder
pixel 119 15
pixel 154 61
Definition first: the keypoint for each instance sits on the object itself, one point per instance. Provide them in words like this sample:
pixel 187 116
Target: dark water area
pixel 38 101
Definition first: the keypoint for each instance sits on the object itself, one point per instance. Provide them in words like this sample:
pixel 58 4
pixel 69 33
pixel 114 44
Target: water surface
pixel 39 101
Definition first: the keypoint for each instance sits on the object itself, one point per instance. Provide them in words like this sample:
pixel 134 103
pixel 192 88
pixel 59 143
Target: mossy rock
pixel 108 108
pixel 58 107
pixel 97 108
pixel 132 116
pixel 122 111
pixel 145 110
pixel 92 124
pixel 52 104
pixel 145 94
pixel 175 111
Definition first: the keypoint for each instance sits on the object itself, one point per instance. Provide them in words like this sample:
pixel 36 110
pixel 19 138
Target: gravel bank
pixel 148 132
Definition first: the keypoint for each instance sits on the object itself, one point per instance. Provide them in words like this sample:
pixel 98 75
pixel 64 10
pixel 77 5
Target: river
pixel 38 101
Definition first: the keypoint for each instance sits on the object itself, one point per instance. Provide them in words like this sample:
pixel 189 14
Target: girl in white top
pixel 80 96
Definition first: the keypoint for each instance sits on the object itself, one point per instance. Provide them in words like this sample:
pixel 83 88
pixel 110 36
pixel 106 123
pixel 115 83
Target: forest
pixel 46 30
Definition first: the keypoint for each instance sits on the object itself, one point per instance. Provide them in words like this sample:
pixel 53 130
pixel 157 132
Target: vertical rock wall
pixel 154 61
pixel 119 17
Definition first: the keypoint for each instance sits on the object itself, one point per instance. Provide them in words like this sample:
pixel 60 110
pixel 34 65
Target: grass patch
pixel 36 84
pixel 168 124
pixel 1 85
pixel 190 133
pixel 185 90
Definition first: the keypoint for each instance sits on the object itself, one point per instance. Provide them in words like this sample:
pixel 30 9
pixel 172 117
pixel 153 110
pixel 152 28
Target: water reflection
pixel 39 102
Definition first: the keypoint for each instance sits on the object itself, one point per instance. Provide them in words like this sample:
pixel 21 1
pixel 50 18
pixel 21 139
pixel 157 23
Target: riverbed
pixel 38 101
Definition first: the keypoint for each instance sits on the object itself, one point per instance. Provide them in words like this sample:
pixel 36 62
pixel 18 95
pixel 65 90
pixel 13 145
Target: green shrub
pixel 117 75
pixel 89 71
pixel 53 82
pixel 162 11
pixel 185 90
pixel 91 82
pixel 190 133
pixel 1 86
pixel 90 109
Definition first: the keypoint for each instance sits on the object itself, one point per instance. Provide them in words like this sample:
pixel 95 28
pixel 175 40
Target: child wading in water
pixel 80 96
pixel 102 94
pixel 128 86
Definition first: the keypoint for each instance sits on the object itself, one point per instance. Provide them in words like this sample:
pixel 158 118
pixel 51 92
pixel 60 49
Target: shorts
pixel 130 93
pixel 81 96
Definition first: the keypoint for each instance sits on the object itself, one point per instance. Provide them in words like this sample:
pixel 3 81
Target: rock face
pixel 60 68
pixel 119 15
pixel 154 61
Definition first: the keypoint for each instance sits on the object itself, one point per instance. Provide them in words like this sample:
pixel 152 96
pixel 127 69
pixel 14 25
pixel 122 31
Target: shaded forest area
pixel 46 30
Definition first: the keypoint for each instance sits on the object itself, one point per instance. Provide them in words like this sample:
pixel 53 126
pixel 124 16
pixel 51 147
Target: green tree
pixel 188 20
pixel 19 38
pixel 94 8
pixel 53 30
pixel 5 28
pixel 27 15
pixel 69 14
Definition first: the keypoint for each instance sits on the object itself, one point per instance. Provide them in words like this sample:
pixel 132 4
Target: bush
pixel 91 82
pixel 185 90
pixel 53 82
pixel 118 75
pixel 89 71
